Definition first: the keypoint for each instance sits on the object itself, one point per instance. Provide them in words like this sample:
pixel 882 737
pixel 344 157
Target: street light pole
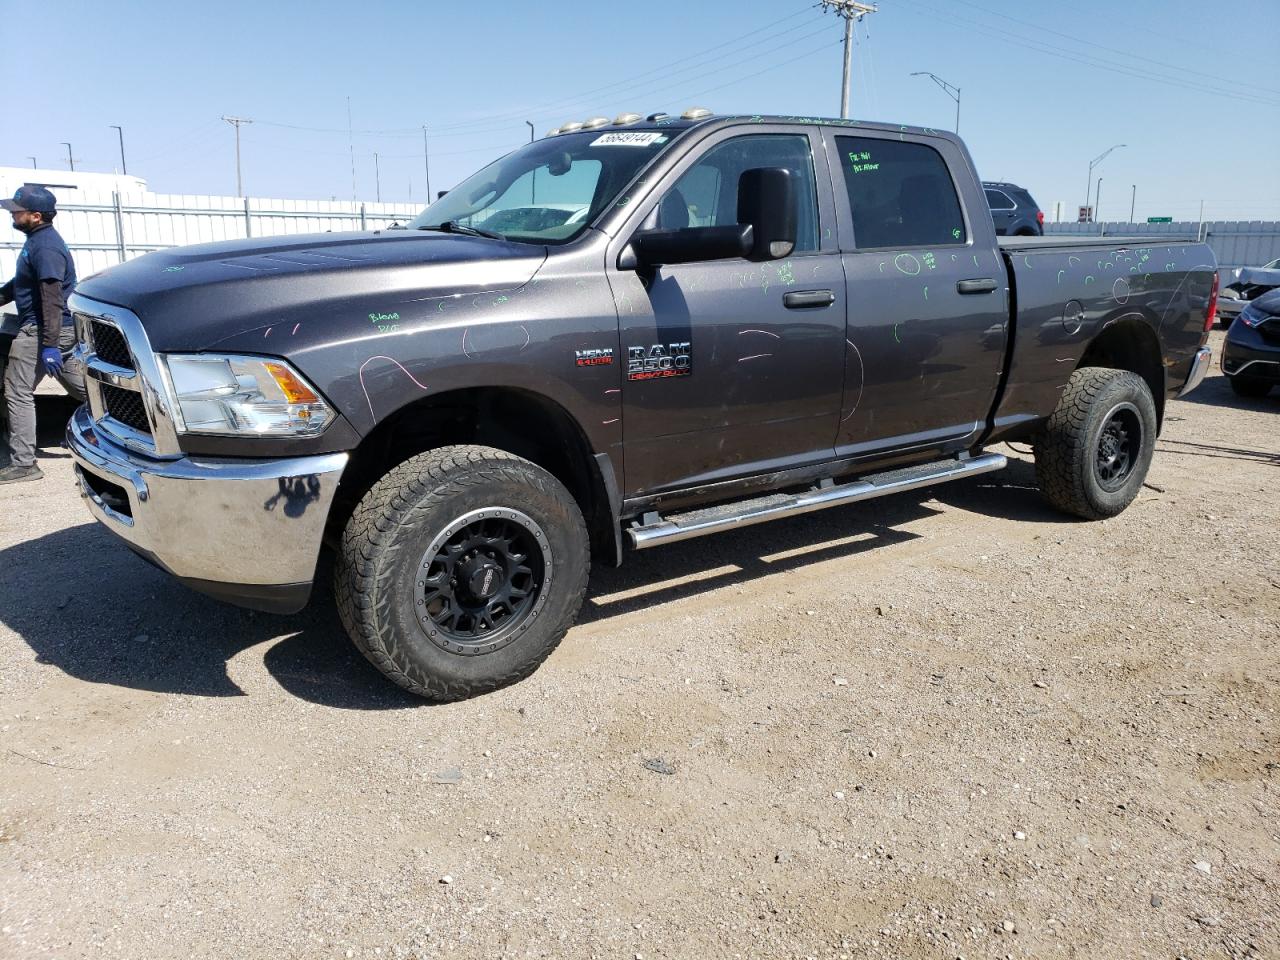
pixel 377 178
pixel 33 162
pixel 1097 201
pixel 852 11
pixel 533 181
pixel 1133 200
pixel 1088 184
pixel 70 160
pixel 124 167
pixel 951 91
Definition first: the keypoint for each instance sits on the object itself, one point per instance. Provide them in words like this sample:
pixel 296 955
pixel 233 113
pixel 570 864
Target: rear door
pixel 927 311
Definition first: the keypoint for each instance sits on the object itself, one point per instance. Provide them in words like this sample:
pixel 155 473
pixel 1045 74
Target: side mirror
pixel 767 202
pixel 653 248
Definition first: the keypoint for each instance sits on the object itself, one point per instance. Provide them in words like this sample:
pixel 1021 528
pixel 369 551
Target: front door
pixel 928 313
pixel 731 367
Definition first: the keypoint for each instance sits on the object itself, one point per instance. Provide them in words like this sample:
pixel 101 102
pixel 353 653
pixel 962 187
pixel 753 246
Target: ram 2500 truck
pixel 625 334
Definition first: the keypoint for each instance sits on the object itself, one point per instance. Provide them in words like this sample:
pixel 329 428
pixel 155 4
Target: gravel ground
pixel 949 723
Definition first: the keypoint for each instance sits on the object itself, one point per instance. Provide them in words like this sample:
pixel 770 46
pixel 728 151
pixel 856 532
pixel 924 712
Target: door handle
pixel 807 299
pixel 985 285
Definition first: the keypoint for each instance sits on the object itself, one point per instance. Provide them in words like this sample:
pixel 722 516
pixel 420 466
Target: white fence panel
pixel 102 229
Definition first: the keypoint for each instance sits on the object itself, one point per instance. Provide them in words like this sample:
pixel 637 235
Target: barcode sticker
pixel 636 138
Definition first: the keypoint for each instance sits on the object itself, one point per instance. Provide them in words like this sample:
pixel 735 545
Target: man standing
pixel 44 279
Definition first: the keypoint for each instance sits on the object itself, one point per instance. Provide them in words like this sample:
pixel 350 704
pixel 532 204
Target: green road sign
pixel 1159 219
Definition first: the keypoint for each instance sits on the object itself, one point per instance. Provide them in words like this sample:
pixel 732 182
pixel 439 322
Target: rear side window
pixel 999 201
pixel 901 194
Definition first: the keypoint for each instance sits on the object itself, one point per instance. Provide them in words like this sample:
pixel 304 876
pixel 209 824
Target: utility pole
pixel 852 11
pixel 70 160
pixel 235 122
pixel 124 167
pixel 426 162
pixel 351 146
pixel 377 178
pixel 1133 200
pixel 948 89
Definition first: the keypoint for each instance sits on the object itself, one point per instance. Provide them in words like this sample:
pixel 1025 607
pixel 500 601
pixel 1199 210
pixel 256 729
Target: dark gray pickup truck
pixel 625 334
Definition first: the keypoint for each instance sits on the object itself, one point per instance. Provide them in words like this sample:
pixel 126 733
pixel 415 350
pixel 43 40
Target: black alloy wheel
pixel 1119 442
pixel 482 581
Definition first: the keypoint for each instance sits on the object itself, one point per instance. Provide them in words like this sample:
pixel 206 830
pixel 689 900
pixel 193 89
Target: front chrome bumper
pixel 244 531
pixel 1199 367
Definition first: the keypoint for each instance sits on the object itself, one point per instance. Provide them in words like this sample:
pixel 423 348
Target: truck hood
pixel 189 298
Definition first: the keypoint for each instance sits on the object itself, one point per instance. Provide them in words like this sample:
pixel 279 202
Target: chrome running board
pixel 652 529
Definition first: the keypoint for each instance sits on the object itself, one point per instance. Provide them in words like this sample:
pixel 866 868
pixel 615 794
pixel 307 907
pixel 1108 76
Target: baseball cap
pixel 32 197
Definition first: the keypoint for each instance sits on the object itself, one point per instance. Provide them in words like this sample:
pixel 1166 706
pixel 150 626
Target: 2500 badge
pixel 659 361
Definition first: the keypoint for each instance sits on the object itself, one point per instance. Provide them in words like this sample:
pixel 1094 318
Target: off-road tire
pixel 1250 387
pixel 1067 452
pixel 376 575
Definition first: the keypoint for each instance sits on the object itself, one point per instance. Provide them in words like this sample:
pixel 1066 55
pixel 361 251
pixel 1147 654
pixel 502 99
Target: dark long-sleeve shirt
pixel 45 277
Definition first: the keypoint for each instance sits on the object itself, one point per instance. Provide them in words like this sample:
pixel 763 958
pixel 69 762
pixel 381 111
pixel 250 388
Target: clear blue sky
pixel 1045 87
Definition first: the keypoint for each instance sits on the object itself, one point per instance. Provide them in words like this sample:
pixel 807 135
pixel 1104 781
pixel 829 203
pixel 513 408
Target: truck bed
pixel 1066 291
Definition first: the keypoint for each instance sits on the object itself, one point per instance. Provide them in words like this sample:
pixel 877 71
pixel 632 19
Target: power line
pixel 1082 58
pixel 1128 54
pixel 468 127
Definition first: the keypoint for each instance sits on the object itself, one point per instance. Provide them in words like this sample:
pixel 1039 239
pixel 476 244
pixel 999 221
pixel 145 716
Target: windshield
pixel 548 191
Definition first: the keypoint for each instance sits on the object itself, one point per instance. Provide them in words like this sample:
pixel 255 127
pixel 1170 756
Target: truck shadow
pixel 89 607
pixel 682 570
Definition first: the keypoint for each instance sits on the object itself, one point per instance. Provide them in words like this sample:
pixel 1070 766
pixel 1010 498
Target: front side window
pixel 548 191
pixel 706 195
pixel 900 193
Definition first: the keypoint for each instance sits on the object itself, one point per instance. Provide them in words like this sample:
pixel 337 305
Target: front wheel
pixel 1096 448
pixel 461 570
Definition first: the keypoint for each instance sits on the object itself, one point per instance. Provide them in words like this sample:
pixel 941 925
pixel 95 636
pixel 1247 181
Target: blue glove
pixel 51 361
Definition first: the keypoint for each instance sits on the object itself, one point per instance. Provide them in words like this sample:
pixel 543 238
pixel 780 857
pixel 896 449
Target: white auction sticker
pixel 636 138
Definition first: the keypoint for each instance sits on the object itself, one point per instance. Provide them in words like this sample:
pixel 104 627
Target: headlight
pixel 243 396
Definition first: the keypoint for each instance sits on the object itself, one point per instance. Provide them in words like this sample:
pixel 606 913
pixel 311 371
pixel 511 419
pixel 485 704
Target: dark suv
pixel 1015 212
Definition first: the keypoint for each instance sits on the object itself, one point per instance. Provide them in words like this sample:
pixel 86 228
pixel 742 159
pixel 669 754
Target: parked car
pixel 468 418
pixel 1246 284
pixel 1251 355
pixel 1013 210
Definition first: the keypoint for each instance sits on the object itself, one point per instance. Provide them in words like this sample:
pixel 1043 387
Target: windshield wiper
pixel 453 226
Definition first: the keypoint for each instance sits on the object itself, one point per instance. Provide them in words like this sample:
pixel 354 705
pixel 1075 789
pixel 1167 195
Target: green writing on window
pixel 860 159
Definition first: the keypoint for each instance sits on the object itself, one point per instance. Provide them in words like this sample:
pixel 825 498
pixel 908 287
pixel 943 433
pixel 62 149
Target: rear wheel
pixel 1096 448
pixel 461 570
pixel 1250 387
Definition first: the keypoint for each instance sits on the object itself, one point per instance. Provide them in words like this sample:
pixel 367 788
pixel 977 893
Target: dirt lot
pixel 949 723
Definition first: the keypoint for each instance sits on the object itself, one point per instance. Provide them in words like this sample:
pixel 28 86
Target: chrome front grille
pixel 125 406
pixel 109 344
pixel 123 380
